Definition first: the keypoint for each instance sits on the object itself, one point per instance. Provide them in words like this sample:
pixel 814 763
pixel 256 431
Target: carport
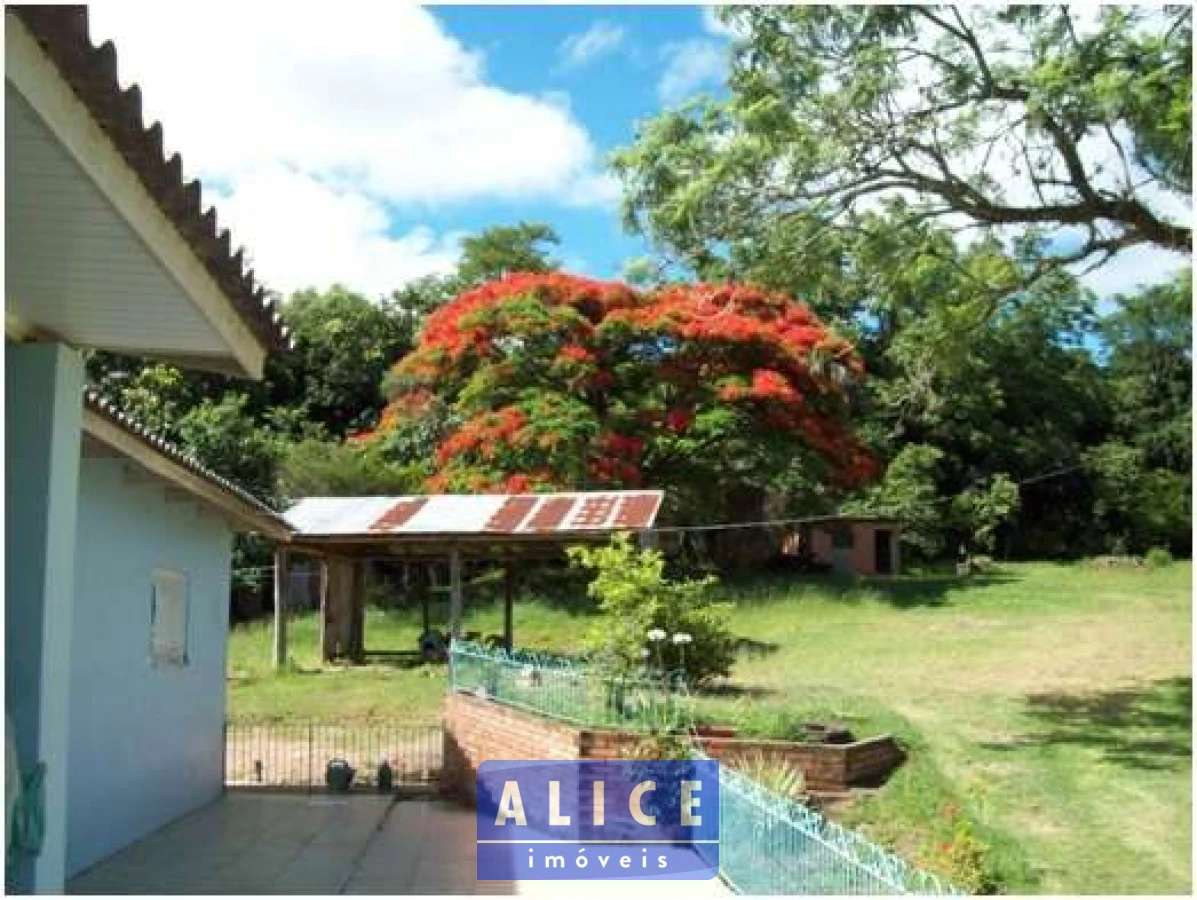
pixel 346 534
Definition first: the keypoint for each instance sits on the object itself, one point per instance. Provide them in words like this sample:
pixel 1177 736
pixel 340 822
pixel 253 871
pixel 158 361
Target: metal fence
pixel 768 844
pixel 298 755
pixel 569 690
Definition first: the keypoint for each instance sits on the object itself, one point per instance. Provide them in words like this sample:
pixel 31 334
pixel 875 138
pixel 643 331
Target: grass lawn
pixel 1047 707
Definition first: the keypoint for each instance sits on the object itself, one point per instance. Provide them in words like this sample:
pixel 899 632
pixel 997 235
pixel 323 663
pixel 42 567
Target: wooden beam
pixel 282 600
pixel 455 595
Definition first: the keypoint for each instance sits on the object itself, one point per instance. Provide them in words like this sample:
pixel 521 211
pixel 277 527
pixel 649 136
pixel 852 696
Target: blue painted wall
pixel 146 739
pixel 42 415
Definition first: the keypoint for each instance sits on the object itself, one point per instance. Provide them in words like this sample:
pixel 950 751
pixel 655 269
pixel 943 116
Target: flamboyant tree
pixel 547 381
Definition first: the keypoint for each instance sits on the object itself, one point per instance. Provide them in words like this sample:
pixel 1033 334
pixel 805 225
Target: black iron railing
pixel 298 755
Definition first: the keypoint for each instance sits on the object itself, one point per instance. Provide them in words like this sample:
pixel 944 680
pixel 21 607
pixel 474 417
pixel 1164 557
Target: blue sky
pixel 359 143
pixel 619 83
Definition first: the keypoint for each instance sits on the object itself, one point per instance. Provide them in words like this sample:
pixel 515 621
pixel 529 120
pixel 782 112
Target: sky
pixel 358 143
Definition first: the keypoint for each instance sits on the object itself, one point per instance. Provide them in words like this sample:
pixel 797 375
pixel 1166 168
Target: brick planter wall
pixel 477 730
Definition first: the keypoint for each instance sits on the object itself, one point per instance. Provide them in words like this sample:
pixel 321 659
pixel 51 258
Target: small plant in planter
pixel 778 775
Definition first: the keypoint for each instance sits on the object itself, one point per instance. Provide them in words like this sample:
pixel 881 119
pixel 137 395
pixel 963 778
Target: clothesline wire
pixel 763 523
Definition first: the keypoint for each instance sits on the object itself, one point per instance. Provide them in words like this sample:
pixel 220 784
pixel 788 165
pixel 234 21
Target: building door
pixel 883 551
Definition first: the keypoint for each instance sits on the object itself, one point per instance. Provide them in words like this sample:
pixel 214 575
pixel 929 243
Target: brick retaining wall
pixel 477 729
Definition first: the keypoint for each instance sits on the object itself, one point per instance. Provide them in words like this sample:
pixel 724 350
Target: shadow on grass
pixel 906 592
pixel 1146 728
pixel 749 648
pixel 733 691
pixel 398 659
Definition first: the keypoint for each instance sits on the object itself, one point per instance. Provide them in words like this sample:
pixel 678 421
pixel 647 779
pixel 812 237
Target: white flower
pixel 682 638
pixel 657 634
pixel 644 651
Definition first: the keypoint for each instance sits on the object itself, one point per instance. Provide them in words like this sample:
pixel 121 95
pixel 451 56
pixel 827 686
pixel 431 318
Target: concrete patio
pixel 255 843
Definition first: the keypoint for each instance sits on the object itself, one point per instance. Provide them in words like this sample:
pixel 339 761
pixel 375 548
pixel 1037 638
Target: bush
pixel 1158 558
pixel 776 774
pixel 315 468
pixel 635 597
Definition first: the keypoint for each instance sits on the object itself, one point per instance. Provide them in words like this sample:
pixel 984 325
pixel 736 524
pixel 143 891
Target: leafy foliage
pixel 497 251
pixel 635 597
pixel 1025 116
pixel 550 381
pixel 317 468
pixel 1158 558
pixel 344 344
pixel 776 773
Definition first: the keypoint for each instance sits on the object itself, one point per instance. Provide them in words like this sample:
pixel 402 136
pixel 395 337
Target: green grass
pixel 1047 708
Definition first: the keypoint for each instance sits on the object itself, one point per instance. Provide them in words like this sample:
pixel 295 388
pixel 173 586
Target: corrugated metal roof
pixel 97 404
pixel 475 514
pixel 62 32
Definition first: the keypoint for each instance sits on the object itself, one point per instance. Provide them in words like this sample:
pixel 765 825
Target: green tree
pixel 1035 117
pixel 344 344
pixel 322 468
pixel 554 381
pixel 1141 474
pixel 502 249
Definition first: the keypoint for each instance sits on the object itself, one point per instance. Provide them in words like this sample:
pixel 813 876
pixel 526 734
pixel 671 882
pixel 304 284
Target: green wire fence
pixel 768 844
pixel 570 690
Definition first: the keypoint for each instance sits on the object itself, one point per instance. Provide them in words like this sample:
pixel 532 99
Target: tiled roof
pixel 93 401
pixel 482 515
pixel 62 33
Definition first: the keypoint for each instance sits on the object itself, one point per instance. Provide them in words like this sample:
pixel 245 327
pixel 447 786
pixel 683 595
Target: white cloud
pixel 712 25
pixel 311 234
pixel 689 66
pixel 357 115
pixel 599 189
pixel 1133 268
pixel 600 39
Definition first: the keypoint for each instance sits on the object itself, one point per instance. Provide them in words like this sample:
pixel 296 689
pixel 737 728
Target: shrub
pixel 659 745
pixel 635 598
pixel 963 857
pixel 778 775
pixel 1158 558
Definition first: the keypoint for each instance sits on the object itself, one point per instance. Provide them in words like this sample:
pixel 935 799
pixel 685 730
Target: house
pixel 118 547
pixel 855 545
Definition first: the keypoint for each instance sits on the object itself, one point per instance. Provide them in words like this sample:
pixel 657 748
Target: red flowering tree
pixel 552 381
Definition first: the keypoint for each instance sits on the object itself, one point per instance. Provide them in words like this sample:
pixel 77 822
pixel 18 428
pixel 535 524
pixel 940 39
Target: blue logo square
pixel 598 819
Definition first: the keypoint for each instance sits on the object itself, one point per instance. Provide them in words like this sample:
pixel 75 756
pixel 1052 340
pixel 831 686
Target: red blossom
pixel 679 420
pixel 715 343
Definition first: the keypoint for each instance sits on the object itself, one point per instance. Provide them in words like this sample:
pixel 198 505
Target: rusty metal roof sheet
pixel 62 32
pixel 483 515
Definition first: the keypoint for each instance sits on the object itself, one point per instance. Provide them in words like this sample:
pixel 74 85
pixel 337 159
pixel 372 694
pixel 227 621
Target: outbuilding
pixel 850 545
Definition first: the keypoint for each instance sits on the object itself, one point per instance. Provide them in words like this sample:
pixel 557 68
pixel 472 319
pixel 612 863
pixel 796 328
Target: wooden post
pixel 508 605
pixel 281 602
pixel 325 612
pixel 455 598
pixel 357 611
